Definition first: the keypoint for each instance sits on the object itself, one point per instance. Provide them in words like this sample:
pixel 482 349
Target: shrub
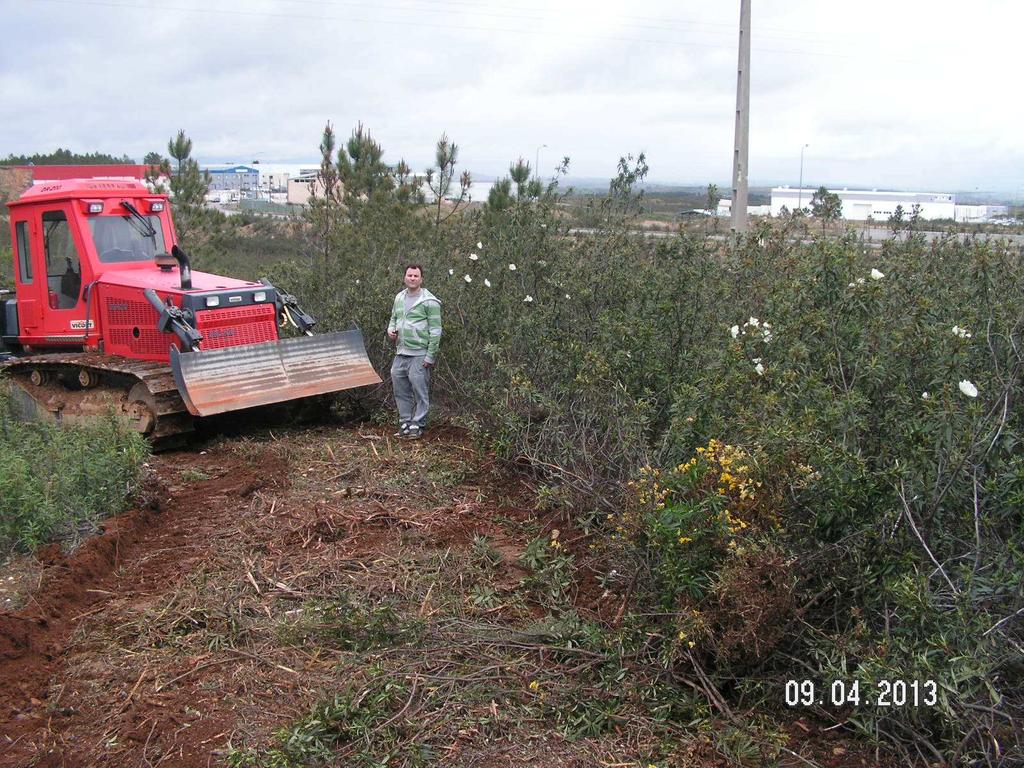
pixel 870 397
pixel 54 480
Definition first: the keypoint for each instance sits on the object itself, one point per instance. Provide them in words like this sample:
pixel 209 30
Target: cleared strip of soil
pixel 138 555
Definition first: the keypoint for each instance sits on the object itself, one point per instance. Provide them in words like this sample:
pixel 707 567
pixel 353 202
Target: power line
pixel 421 24
pixel 446 6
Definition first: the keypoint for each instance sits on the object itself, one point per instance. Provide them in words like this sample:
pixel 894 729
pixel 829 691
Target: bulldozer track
pixel 172 424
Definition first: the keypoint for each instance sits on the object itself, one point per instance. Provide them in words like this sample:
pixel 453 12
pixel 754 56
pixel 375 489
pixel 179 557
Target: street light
pixel 800 188
pixel 536 161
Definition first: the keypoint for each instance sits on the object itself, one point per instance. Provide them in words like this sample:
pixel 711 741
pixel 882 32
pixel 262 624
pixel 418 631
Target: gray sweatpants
pixel 411 382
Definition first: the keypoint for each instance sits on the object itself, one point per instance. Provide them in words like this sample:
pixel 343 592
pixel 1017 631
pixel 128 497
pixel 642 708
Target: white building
pixel 725 209
pixel 862 204
pixel 979 213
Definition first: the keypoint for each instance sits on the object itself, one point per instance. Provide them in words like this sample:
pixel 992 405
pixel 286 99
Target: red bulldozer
pixel 107 312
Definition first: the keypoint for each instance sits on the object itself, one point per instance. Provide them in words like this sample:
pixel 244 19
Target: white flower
pixel 357 281
pixel 451 271
pixel 468 279
pixel 767 337
pixel 487 282
pixel 925 396
pixel 528 298
pixel 852 285
pixel 756 360
pixel 473 257
pixel 479 246
pixel 876 275
pixel 569 297
pixel 860 281
pixel 968 388
pixel 512 267
pixel 962 333
pixel 753 321
pixel 734 331
pixel 759 369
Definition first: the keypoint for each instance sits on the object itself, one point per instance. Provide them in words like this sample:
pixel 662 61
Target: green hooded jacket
pixel 419 329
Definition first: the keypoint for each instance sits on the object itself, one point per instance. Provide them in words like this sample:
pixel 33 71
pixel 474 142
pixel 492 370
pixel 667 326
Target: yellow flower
pixel 685 539
pixel 534 686
pixel 691 644
pixel 682 635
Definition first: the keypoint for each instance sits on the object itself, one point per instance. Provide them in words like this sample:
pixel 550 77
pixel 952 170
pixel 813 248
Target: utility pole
pixel 800 186
pixel 742 140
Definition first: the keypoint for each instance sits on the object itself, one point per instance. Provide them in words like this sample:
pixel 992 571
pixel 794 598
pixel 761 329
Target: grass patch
pixel 54 480
pixel 349 624
pixel 191 475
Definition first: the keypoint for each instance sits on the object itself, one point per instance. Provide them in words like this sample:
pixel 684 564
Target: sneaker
pixel 413 432
pixel 403 430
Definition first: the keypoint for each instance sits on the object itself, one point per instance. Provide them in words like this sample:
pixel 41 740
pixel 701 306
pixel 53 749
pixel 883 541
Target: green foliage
pixel 896 219
pixel 350 625
pixel 363 724
pixel 551 578
pixel 189 184
pixel 876 528
pixel 158 168
pixel 361 169
pixel 439 179
pixel 67 157
pixel 712 199
pixel 6 257
pixel 54 480
pixel 826 206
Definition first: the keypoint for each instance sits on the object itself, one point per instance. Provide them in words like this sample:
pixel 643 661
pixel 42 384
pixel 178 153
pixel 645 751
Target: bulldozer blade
pixel 232 378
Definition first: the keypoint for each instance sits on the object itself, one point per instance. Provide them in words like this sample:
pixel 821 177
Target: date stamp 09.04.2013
pixel 852 693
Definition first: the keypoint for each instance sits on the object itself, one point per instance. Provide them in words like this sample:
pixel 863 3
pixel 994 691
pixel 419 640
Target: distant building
pixel 242 178
pixel 864 204
pixel 977 214
pixel 300 189
pixel 276 180
pixel 725 209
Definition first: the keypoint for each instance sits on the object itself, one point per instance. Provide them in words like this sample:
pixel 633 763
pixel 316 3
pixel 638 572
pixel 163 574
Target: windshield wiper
pixel 138 221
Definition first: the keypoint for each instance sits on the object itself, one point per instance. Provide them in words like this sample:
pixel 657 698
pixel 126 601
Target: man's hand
pixel 392 335
pixel 427 365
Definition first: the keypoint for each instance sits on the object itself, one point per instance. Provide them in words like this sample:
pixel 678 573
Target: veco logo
pixel 79 325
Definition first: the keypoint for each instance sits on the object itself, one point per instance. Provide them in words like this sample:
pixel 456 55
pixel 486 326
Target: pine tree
pixel 439 179
pixel 189 184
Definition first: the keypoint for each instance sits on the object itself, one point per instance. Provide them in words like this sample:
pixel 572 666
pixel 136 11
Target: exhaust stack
pixel 184 267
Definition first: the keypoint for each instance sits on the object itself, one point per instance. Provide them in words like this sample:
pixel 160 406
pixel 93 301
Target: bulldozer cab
pixel 66 234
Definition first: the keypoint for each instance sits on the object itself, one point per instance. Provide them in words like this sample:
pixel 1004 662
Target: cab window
pixel 63 267
pixel 125 238
pixel 24 256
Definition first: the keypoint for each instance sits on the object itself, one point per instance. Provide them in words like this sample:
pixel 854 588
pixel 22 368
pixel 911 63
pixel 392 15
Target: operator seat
pixel 70 285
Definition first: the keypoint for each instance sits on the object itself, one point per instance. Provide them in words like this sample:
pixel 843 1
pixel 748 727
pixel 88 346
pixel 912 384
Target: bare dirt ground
pixel 260 577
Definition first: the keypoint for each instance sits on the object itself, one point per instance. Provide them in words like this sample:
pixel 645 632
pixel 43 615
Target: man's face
pixel 413 278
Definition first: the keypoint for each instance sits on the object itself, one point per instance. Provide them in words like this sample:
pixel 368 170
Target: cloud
pixel 883 95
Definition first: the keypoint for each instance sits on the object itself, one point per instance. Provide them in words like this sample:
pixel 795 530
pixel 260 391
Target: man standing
pixel 416 324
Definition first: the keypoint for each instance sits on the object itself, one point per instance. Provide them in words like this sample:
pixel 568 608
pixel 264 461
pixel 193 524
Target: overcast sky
pixel 903 94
